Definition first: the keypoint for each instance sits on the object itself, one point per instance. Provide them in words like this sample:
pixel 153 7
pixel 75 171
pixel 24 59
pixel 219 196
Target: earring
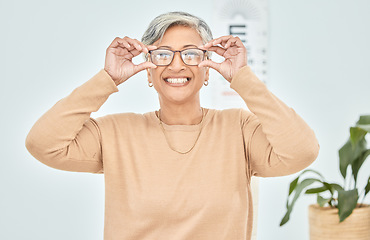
pixel 205 83
pixel 150 84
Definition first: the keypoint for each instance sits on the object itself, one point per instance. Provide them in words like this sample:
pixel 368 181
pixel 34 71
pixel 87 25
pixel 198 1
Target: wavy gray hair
pixel 160 24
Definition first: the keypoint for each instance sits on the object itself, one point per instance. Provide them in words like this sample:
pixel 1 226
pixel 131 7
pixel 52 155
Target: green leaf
pixel 336 187
pixel 347 201
pixel 347 155
pixel 332 187
pixel 365 127
pixel 356 165
pixel 293 185
pixel 364 119
pixel 313 171
pixel 322 201
pixel 329 187
pixel 345 158
pixel 356 134
pixel 367 188
pixel 316 190
pixel 364 123
pixel 298 189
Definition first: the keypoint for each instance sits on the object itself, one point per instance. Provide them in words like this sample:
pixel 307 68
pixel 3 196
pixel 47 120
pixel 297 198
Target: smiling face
pixel 178 83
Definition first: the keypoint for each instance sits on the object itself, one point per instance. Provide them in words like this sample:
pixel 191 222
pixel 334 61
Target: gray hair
pixel 160 24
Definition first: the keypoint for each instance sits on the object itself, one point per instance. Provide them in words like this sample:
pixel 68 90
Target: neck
pixel 184 114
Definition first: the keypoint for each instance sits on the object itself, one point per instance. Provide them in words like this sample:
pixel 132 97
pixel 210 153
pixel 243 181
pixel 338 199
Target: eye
pixel 162 54
pixel 192 54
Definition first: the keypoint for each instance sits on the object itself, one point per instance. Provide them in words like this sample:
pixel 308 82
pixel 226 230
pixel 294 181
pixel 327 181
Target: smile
pixel 177 80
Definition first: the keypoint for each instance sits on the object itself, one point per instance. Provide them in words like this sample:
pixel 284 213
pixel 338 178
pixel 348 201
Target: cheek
pixel 159 71
pixel 154 74
pixel 202 73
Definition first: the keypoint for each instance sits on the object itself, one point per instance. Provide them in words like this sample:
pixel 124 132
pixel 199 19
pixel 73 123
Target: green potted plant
pixel 335 202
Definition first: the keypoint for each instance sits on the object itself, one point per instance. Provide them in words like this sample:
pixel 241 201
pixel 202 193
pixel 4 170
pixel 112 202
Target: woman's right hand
pixel 118 58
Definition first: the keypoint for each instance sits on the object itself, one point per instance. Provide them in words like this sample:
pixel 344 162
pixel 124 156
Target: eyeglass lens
pixel 164 57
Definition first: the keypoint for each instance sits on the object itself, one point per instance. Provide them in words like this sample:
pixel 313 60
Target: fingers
pixel 128 48
pixel 234 41
pixel 211 64
pixel 151 47
pixel 219 50
pixel 143 66
pixel 225 41
pixel 129 44
pixel 137 44
pixel 232 50
pixel 225 45
pixel 132 54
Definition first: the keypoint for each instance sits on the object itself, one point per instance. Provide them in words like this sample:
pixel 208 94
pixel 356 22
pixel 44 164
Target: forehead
pixel 179 36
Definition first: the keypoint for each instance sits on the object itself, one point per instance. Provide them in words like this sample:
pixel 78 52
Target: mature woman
pixel 182 172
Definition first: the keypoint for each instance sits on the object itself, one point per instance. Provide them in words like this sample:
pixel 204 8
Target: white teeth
pixel 177 80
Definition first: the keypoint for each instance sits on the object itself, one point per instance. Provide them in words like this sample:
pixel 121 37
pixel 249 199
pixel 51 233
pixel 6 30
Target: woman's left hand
pixel 234 52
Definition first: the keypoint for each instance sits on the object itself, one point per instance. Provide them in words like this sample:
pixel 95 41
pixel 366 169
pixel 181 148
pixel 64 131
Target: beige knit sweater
pixel 154 193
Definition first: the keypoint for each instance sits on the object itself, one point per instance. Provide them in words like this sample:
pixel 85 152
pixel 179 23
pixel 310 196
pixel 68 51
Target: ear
pixel 207 69
pixel 207 74
pixel 149 71
pixel 149 74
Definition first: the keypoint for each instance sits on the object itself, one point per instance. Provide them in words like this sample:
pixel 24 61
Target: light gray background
pixel 318 64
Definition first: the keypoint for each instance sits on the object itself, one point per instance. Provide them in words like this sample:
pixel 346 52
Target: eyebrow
pixel 185 46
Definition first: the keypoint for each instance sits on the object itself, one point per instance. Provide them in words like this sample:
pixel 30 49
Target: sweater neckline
pixel 207 116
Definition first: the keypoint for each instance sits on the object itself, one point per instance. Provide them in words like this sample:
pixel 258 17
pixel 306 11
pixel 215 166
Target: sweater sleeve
pixel 65 137
pixel 277 140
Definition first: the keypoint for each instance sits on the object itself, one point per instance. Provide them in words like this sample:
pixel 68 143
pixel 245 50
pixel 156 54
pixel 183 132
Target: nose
pixel 177 64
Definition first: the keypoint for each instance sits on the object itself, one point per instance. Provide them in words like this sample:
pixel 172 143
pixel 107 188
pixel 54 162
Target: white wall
pixel 319 65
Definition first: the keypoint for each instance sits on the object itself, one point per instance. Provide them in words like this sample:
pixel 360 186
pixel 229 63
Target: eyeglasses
pixel 190 56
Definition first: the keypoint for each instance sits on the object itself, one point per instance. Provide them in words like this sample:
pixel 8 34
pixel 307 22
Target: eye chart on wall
pixel 247 19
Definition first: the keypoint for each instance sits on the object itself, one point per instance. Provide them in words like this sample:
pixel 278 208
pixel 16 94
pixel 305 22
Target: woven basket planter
pixel 325 225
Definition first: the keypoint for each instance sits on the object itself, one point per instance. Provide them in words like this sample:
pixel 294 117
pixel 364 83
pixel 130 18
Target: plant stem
pixel 363 198
pixel 347 183
pixel 335 202
pixel 349 178
pixel 331 202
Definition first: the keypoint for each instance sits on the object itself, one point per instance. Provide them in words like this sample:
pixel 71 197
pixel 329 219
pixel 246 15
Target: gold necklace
pixel 167 140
